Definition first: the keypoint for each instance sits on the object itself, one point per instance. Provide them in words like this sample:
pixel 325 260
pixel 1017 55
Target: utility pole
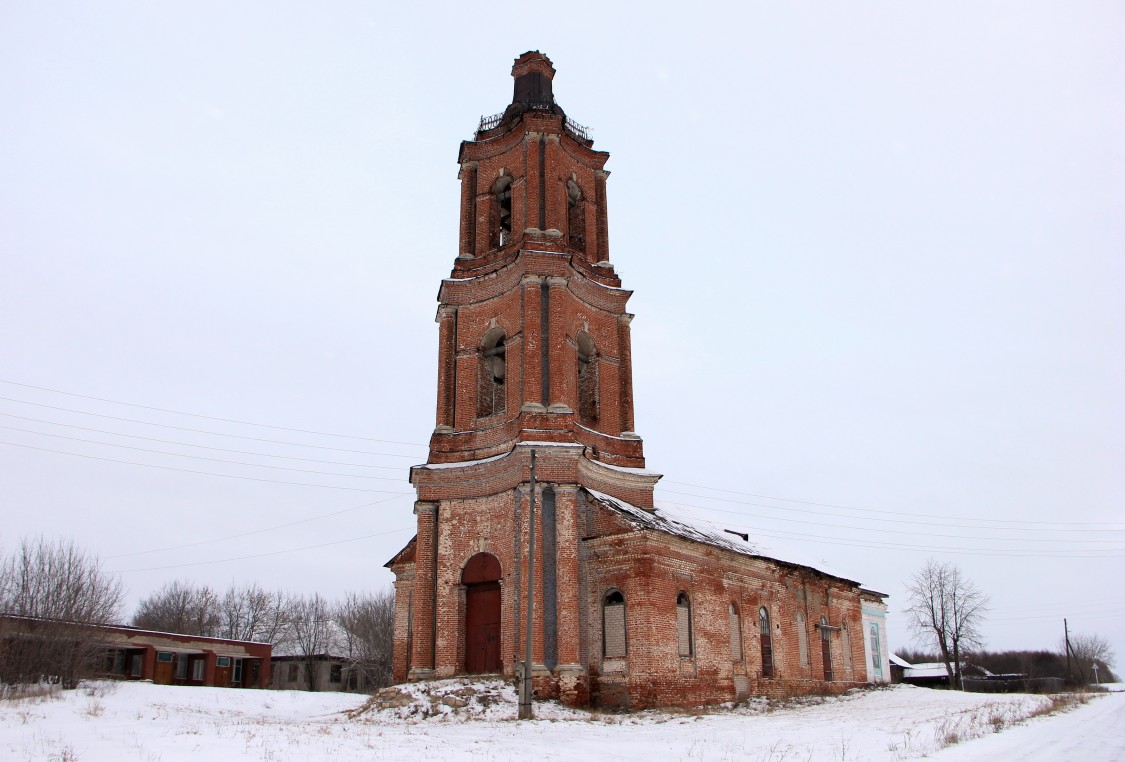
pixel 1066 640
pixel 525 712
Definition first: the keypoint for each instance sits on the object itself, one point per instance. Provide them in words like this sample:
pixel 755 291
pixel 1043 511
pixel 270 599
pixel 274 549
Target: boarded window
pixel 613 622
pixel 683 624
pixel 767 641
pixel 803 638
pixel 735 634
pixel 491 395
pixel 587 378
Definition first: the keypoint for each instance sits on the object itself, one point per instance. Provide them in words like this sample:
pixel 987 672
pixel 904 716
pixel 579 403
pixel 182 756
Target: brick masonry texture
pixel 521 271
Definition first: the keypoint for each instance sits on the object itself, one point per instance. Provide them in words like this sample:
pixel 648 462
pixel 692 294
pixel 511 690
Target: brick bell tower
pixel 534 354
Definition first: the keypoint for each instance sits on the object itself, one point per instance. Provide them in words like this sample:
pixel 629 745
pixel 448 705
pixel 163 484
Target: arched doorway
pixel 481 578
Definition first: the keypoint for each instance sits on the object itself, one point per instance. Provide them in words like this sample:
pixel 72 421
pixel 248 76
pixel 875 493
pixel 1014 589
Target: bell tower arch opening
pixel 481 578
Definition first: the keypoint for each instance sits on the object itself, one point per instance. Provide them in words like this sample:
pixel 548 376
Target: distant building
pixel 165 658
pixel 329 673
pixel 535 366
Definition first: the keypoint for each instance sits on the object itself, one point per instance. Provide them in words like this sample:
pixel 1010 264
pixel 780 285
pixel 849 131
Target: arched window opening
pixel 683 624
pixel 576 216
pixel 767 641
pixel 735 634
pixel 876 654
pixel 491 396
pixel 614 645
pixel 825 649
pixel 803 638
pixel 587 378
pixel 500 212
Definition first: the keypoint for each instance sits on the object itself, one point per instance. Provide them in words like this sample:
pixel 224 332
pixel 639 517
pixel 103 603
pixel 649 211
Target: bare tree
pixel 313 633
pixel 367 624
pixel 53 591
pixel 946 609
pixel 1085 650
pixel 181 607
pixel 250 612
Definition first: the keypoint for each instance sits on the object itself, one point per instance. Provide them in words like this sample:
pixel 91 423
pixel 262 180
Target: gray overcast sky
pixel 877 250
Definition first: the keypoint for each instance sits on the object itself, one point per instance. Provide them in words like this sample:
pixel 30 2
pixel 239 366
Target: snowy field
pixel 459 721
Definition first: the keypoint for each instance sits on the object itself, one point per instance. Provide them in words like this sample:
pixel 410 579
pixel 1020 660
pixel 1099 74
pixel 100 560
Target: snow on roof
pixel 460 463
pixel 900 661
pixel 653 520
pixel 930 669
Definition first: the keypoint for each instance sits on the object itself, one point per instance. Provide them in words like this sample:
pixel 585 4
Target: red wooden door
pixel 482 628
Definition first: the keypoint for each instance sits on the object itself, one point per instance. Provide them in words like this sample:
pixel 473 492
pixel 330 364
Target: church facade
pixel 631 608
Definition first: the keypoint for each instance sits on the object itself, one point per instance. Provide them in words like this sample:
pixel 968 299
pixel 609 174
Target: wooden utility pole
pixel 525 712
pixel 1066 640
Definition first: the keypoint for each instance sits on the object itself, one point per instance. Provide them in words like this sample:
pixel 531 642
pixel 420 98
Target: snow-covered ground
pixel 457 721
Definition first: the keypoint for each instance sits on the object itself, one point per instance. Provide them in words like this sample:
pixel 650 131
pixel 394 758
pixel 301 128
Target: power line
pixel 1013 553
pixel 206 473
pixel 258 531
pixel 898 521
pixel 202 457
pixel 220 449
pixel 207 417
pixel 197 431
pixel 893 531
pixel 867 510
pixel 263 555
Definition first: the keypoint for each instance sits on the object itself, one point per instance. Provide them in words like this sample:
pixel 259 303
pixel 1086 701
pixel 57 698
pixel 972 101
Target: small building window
pixel 181 667
pixel 500 213
pixel 614 644
pixel 335 674
pixel 164 657
pixel 576 216
pixel 735 634
pixel 587 378
pixel 222 661
pixel 767 641
pixel 683 624
pixel 138 666
pixel 491 397
pixel 825 649
pixel 197 670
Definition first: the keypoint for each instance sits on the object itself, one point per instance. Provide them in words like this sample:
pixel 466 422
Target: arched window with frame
pixel 491 397
pixel 614 641
pixel 500 212
pixel 587 378
pixel 683 625
pixel 766 638
pixel 735 634
pixel 576 216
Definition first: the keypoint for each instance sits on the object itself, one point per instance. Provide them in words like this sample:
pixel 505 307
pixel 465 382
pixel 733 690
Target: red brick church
pixel 631 608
